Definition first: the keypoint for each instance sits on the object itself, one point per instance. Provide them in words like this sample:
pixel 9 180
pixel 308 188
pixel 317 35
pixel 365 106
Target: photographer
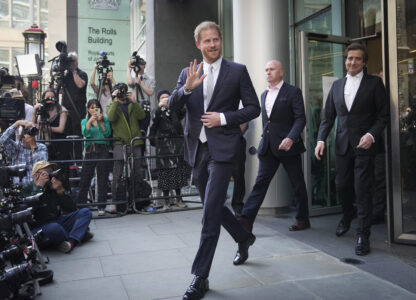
pixel 75 83
pixel 63 225
pixel 30 153
pixel 106 86
pixel 124 116
pixel 95 126
pixel 143 87
pixel 51 119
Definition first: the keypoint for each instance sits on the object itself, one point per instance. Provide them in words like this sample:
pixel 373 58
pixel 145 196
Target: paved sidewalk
pixel 150 256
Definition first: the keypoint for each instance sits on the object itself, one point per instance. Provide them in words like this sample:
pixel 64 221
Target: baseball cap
pixel 41 165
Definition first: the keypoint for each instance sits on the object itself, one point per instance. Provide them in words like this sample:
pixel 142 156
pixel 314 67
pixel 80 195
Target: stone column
pixel 261 33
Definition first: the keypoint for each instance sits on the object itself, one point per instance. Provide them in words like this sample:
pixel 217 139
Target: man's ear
pixel 198 45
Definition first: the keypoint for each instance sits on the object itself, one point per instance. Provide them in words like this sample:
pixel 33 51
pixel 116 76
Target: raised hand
pixel 193 73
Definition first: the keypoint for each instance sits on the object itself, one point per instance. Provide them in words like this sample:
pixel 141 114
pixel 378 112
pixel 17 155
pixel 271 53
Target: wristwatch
pixel 186 90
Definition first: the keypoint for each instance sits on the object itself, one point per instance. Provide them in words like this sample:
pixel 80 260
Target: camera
pixel 7 172
pixel 137 62
pixel 122 90
pixel 32 131
pixel 103 63
pixel 61 64
pixel 5 77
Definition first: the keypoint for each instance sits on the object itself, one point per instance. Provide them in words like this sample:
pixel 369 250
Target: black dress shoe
pixel 242 253
pixel 363 245
pixel 342 227
pixel 199 286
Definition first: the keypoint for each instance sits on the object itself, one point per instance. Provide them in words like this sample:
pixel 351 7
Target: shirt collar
pixel 276 87
pixel 358 76
pixel 216 65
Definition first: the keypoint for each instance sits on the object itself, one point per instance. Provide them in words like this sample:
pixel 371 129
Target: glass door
pixel 321 62
pixel 402 63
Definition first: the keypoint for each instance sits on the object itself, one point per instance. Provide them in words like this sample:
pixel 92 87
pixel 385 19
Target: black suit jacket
pixel 369 113
pixel 287 119
pixel 233 84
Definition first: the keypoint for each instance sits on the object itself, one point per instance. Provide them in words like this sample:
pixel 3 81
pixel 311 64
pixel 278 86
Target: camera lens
pixel 21 216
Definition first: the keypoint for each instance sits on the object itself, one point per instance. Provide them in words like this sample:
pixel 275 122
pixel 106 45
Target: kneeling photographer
pixel 26 151
pixel 63 225
pixel 124 116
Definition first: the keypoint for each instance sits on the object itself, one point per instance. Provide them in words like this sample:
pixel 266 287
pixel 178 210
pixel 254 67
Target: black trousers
pixel 94 151
pixel 267 169
pixel 238 175
pixel 212 179
pixel 355 175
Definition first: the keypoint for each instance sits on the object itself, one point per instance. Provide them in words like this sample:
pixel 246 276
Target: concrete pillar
pixel 261 33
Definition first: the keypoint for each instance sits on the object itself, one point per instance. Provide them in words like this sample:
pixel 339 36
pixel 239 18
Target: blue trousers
pixel 70 226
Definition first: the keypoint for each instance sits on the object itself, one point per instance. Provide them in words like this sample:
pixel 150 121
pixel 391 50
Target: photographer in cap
pixel 26 150
pixel 63 225
pixel 124 116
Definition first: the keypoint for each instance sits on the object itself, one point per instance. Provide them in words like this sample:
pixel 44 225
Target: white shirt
pixel 273 92
pixel 215 71
pixel 351 88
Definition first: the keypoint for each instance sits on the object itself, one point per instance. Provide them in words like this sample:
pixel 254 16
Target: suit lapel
pixel 263 106
pixel 224 69
pixel 199 92
pixel 340 93
pixel 359 91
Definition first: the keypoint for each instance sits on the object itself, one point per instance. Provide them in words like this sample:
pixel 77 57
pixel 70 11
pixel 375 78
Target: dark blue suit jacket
pixel 287 119
pixel 233 84
pixel 369 113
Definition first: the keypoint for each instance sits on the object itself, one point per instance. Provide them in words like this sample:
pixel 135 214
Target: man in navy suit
pixel 359 101
pixel 211 92
pixel 283 115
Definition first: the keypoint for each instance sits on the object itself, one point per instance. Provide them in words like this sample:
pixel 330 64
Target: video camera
pixel 61 64
pixel 103 64
pixel 6 78
pixel 45 107
pixel 137 63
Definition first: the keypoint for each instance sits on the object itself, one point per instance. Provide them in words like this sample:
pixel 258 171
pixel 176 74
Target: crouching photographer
pixel 63 225
pixel 26 151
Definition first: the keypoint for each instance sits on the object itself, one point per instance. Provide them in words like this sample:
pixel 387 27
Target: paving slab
pixel 108 288
pixel 143 262
pixel 76 269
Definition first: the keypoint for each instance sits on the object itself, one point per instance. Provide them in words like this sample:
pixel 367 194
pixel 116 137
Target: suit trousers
pixel 238 175
pixel 212 179
pixel 269 164
pixel 355 174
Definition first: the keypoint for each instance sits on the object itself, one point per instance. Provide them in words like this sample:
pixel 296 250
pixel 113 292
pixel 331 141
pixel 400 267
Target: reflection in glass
pixel 406 52
pixel 21 14
pixel 364 17
pixel 325 66
pixel 305 8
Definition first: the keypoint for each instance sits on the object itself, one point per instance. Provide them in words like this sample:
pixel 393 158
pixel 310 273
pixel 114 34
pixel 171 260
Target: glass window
pixel 305 8
pixel 4 13
pixel 406 58
pixel 44 14
pixel 4 58
pixel 364 17
pixel 21 14
pixel 321 24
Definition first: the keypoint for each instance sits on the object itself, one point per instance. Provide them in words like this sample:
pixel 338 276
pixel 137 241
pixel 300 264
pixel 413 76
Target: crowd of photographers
pixel 39 150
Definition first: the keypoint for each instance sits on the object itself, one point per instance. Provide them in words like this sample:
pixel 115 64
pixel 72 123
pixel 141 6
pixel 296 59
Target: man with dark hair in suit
pixel 283 115
pixel 211 92
pixel 360 102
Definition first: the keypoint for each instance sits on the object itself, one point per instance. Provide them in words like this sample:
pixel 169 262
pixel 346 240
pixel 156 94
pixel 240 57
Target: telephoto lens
pixel 22 216
pixel 31 200
pixel 13 254
pixel 14 277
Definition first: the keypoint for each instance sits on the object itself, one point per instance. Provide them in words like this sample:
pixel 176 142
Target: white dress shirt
pixel 273 92
pixel 351 87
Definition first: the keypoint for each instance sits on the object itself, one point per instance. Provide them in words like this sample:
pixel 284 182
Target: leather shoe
pixel 300 225
pixel 242 253
pixel 199 286
pixel 363 245
pixel 342 227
